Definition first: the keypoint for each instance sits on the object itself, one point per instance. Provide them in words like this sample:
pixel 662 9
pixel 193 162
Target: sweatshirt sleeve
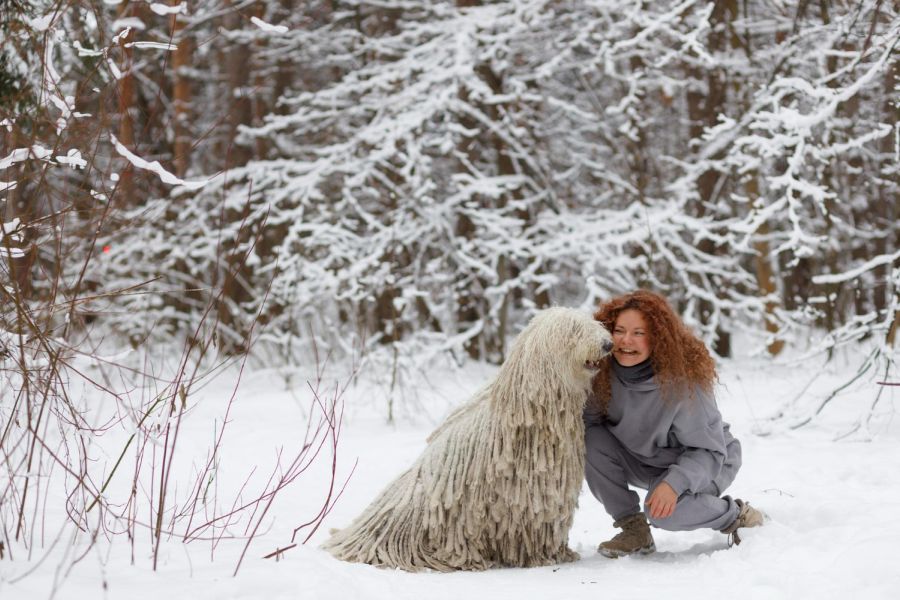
pixel 699 429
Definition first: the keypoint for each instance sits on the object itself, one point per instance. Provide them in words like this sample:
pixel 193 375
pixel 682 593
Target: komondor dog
pixel 498 482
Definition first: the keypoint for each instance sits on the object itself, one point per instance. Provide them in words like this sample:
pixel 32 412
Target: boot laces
pixel 741 521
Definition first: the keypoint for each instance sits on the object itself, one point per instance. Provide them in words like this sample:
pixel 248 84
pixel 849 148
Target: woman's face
pixel 631 339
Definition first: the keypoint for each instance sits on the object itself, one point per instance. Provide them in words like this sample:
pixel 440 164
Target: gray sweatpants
pixel 610 468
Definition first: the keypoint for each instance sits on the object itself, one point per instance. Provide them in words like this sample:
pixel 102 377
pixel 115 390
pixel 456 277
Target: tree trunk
pixel 260 105
pixel 127 107
pixel 285 70
pixel 19 207
pixel 704 107
pixel 181 94
pixel 886 211
pixel 237 61
pixel 766 281
pixel 888 203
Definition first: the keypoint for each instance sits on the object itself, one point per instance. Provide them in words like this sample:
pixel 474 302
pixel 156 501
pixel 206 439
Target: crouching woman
pixel 652 422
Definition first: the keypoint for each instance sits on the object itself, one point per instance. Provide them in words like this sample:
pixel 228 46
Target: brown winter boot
pixel 635 537
pixel 747 517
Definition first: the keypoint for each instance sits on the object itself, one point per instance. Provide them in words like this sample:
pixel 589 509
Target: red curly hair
pixel 677 355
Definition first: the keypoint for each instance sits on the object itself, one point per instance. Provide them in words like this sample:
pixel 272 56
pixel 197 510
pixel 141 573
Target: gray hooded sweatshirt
pixel 686 436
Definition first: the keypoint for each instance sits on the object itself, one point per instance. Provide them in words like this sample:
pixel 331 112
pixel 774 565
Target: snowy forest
pixel 400 184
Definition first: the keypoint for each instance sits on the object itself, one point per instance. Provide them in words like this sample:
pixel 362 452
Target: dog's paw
pixel 568 555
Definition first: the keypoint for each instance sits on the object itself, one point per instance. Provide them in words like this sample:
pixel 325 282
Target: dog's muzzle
pixel 595 365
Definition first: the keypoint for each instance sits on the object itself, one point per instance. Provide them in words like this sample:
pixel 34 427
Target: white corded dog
pixel 498 483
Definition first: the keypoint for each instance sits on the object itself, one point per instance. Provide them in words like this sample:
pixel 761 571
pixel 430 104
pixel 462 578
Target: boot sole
pixel 610 553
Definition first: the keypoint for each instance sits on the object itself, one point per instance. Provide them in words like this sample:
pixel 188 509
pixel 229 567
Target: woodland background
pixel 428 173
pixel 400 182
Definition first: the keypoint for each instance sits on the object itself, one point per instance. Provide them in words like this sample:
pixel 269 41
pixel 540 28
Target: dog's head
pixel 573 342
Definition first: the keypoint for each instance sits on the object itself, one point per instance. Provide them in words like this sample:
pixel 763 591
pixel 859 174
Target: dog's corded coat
pixel 498 483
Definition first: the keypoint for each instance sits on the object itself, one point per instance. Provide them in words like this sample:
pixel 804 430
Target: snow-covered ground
pixel 834 506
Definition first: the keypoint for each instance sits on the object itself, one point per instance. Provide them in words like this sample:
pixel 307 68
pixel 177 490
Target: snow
pixel 22 154
pixel 12 252
pixel 162 9
pixel 72 158
pixel 832 505
pixel 884 259
pixel 43 23
pixel 152 46
pixel 155 167
pixel 82 51
pixel 268 27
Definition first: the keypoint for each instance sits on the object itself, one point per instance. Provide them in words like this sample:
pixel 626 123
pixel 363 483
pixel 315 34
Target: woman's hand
pixel 661 503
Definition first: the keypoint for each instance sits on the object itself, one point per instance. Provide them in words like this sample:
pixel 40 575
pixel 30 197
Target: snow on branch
pixel 22 154
pixel 268 27
pixel 884 259
pixel 154 167
pixel 163 9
